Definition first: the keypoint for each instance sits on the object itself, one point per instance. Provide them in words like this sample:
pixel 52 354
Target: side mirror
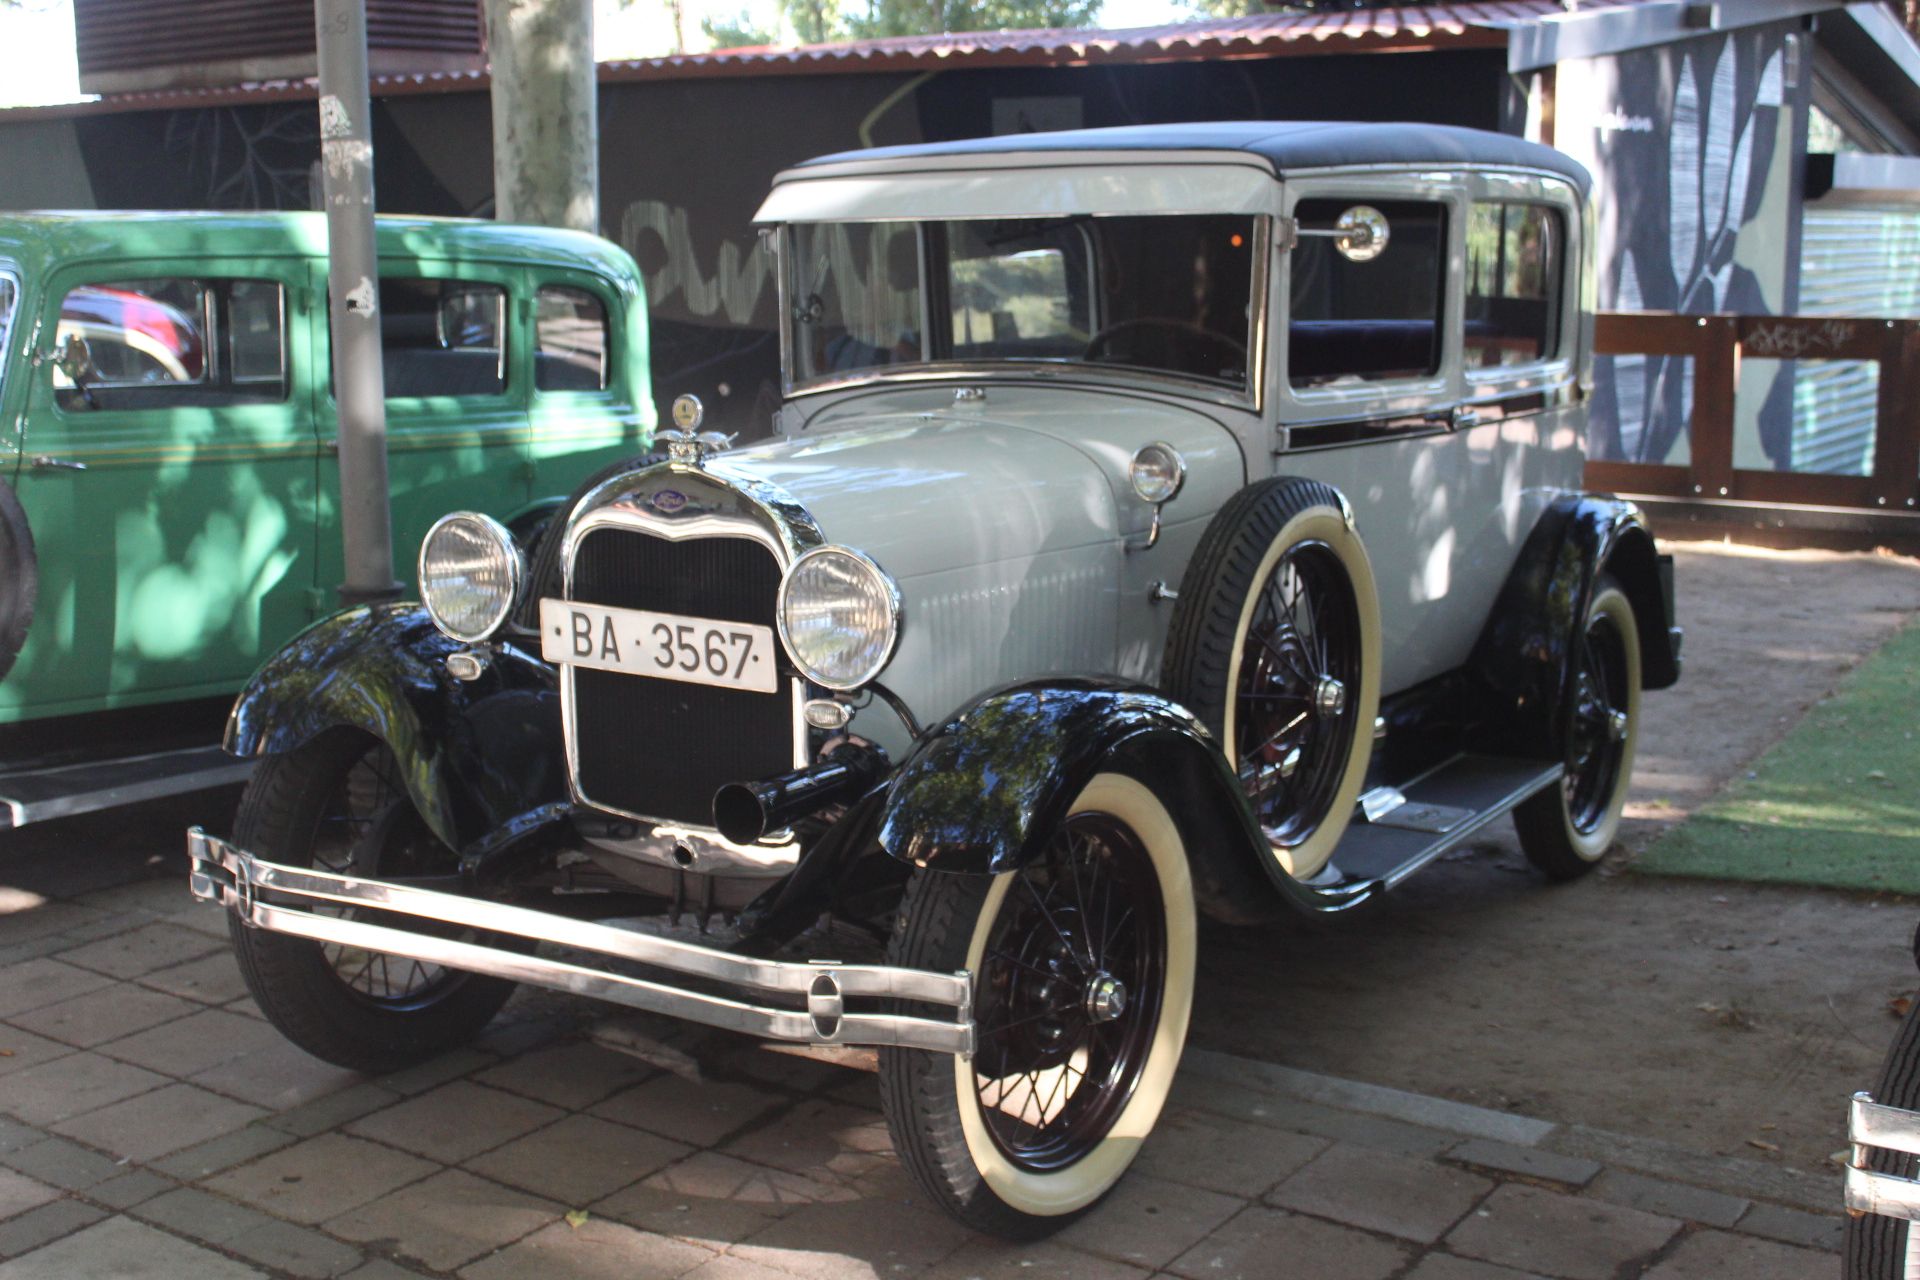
pixel 1359 234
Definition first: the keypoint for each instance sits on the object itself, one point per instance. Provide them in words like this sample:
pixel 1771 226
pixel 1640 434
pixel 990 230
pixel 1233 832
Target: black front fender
pixel 1524 655
pixel 475 754
pixel 983 792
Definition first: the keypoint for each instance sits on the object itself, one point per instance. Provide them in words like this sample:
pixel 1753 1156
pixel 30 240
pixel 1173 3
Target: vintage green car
pixel 169 504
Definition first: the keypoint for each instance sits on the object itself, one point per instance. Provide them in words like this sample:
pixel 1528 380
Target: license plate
pixel 667 646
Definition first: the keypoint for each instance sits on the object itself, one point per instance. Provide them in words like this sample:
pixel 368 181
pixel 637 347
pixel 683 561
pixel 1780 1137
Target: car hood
pixel 926 492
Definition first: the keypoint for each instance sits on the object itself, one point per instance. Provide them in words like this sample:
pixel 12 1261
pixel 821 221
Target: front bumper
pixel 283 899
pixel 1870 1125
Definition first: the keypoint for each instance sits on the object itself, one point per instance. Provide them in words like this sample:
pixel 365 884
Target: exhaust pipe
pixel 745 811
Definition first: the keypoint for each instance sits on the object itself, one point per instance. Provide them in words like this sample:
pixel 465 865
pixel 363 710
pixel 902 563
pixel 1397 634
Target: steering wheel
pixel 1182 337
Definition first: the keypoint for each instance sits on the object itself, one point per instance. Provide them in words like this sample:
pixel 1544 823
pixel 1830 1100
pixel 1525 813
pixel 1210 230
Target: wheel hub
pixel 1106 997
pixel 1329 696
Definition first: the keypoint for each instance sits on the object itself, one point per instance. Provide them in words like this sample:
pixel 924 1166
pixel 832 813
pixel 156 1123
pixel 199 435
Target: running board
pixel 37 795
pixel 1441 809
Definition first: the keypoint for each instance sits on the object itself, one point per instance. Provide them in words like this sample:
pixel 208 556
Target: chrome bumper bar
pixel 1870 1125
pixel 282 899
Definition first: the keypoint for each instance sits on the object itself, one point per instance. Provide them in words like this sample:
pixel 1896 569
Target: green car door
pixel 168 472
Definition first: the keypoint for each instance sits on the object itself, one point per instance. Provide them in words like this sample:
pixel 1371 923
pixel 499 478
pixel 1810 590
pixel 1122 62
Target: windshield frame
pixel 1251 395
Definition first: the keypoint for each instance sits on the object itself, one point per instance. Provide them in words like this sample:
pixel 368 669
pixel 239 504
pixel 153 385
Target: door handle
pixel 44 462
pixel 1463 417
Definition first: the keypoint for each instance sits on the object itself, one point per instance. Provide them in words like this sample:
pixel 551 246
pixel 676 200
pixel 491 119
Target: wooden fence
pixel 1717 344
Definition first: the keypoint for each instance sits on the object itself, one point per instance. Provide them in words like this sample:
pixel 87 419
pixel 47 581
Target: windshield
pixel 9 301
pixel 1167 294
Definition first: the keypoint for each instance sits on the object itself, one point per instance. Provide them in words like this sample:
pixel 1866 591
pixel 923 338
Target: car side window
pixel 1370 320
pixel 1514 269
pixel 168 343
pixel 443 337
pixel 570 340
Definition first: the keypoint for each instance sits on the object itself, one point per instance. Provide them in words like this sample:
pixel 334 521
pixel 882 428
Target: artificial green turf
pixel 1836 802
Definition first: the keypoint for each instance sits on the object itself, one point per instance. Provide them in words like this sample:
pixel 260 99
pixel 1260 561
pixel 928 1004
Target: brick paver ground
pixel 152 1124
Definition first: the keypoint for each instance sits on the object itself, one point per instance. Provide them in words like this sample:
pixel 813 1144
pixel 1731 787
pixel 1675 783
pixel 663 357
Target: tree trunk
pixel 546 164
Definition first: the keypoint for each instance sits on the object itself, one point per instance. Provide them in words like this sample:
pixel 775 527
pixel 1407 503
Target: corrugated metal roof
pixel 1402 28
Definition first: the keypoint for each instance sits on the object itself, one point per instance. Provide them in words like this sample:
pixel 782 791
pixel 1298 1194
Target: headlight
pixel 469 575
pixel 839 617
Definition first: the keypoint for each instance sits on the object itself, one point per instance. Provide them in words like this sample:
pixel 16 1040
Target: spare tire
pixel 19 577
pixel 1275 645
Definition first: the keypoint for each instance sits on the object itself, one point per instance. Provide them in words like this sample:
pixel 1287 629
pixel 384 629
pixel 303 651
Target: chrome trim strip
pixel 1869 1125
pixel 236 879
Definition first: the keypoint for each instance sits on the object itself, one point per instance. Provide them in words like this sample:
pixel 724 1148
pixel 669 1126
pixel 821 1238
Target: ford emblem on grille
pixel 668 501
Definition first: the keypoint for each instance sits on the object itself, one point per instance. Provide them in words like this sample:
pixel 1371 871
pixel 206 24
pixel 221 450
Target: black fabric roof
pixel 1290 146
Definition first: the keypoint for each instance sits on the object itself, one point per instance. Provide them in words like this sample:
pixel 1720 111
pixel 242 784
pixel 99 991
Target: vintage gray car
pixel 1158 521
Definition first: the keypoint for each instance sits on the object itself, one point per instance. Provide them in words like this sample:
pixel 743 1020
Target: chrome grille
pixel 660 748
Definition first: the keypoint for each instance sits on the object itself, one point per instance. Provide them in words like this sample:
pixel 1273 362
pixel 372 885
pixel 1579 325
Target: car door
pixel 172 495
pixel 456 402
pixel 588 370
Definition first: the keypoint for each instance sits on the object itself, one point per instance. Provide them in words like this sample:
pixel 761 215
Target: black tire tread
pixel 1875 1247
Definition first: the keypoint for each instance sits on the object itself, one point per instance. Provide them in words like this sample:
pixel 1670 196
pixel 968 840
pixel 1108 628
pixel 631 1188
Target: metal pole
pixel 359 382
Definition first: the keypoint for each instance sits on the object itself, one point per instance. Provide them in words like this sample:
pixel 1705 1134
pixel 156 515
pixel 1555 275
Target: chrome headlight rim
pixel 889 589
pixel 516 575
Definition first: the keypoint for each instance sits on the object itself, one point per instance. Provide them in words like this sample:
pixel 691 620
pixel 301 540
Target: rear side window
pixel 9 299
pixel 1367 321
pixel 173 342
pixel 1515 257
pixel 443 338
pixel 571 340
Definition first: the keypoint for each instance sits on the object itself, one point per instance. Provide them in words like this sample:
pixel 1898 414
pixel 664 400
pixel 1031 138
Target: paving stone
pixel 1378 1191
pixel 19 1194
pixel 1150 1221
pixel 1209 1151
pixel 728 1267
pixel 595 1250
pixel 153 895
pixel 141 951
pixel 64 1164
pixel 1721 1255
pixel 1578 1237
pixel 579 1160
pixel 100 1016
pixel 301 1251
pixel 701 1115
pixel 428 1075
pixel 1674 1199
pixel 573 1076
pixel 224 1152
pixel 322 1177
pixel 715 1199
pixel 26 915
pixel 334 1109
pixel 158 1123
pixel 22 1049
pixel 71 1086
pixel 822 1140
pixel 121 1247
pixel 1443 1266
pixel 381 1269
pixel 14 1135
pixel 130 1189
pixel 212 979
pixel 1793 1227
pixel 35 1227
pixel 194 1043
pixel 1250 1246
pixel 1299 1116
pixel 797 1072
pixel 448 1220
pixel 1528 1162
pixel 1000 1260
pixel 833 1240
pixel 455 1121
pixel 276 1073
pixel 205 1217
pixel 34 983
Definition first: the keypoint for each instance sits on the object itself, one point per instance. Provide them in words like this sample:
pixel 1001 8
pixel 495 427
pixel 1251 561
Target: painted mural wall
pixel 1696 150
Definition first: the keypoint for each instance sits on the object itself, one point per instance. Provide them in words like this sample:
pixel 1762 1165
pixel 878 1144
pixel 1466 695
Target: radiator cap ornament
pixel 686 443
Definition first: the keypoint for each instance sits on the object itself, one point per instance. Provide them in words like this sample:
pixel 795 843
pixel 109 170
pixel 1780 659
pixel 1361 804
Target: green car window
pixel 571 340
pixel 443 337
pixel 174 342
pixel 9 299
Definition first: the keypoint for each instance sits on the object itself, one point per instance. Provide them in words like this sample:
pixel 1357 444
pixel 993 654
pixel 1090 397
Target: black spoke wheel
pixel 1275 645
pixel 1565 830
pixel 338 804
pixel 1083 982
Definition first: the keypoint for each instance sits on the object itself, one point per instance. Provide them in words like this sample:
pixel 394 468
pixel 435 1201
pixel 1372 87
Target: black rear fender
pixel 475 754
pixel 983 792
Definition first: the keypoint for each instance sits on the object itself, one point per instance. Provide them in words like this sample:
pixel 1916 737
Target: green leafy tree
pixel 927 17
pixel 814 21
pixel 735 33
